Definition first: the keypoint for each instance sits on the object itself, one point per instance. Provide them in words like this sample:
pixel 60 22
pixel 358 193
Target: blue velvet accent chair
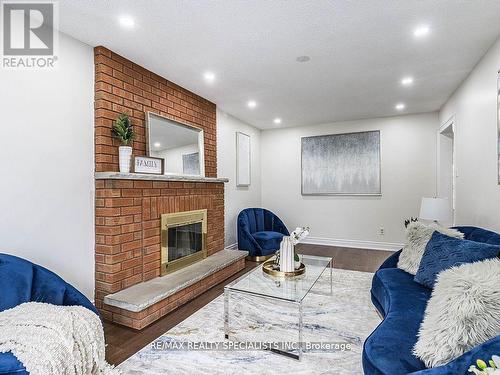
pixel 402 302
pixel 260 232
pixel 22 281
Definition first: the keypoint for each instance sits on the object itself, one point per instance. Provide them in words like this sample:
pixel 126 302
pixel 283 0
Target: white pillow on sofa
pixel 418 235
pixel 463 312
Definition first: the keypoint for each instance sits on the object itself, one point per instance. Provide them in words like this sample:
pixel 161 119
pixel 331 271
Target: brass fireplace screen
pixel 183 239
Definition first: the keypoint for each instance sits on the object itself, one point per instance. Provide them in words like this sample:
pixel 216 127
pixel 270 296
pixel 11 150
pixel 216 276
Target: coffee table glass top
pixel 292 289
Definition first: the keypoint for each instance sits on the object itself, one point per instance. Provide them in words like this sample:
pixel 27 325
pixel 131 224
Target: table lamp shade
pixel 437 209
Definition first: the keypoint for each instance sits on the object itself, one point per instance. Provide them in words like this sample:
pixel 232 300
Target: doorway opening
pixel 446 165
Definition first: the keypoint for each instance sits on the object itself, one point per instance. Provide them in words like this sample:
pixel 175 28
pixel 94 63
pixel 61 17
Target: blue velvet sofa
pixel 22 281
pixel 260 232
pixel 402 301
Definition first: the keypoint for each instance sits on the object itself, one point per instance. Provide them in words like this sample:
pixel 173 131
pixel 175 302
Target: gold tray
pixel 267 267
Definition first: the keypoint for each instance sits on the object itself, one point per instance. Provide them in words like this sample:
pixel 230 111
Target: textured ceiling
pixel 359 51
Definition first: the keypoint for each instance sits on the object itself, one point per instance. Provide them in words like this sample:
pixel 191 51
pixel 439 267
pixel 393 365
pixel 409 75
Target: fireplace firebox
pixel 183 239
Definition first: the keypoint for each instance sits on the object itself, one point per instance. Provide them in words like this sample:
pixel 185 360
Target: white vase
pixel 125 156
pixel 286 255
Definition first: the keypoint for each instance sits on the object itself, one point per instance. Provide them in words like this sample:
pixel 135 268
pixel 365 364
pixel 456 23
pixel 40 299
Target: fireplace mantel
pixel 155 177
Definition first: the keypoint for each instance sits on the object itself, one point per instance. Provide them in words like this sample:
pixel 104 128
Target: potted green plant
pixel 123 131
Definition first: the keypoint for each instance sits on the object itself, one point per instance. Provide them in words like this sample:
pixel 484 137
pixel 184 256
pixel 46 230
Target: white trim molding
pixel 447 123
pixel 360 244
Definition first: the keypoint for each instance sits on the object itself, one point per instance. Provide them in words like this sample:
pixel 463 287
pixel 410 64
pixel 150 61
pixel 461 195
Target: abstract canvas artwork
pixel 243 171
pixel 341 164
pixel 191 163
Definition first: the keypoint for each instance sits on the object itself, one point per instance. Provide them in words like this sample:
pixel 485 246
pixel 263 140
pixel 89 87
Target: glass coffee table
pixel 290 290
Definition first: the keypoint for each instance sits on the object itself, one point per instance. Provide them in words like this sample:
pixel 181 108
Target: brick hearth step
pixel 142 296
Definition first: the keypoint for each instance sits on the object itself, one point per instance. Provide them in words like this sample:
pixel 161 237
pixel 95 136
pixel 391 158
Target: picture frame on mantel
pixel 148 165
pixel 243 165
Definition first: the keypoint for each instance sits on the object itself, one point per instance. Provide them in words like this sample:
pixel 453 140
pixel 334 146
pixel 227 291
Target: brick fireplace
pixel 129 207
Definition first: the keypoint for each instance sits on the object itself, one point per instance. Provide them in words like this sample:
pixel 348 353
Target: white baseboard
pixel 372 245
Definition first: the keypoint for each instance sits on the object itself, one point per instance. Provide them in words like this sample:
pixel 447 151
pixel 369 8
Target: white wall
pixel 474 107
pixel 408 153
pixel 47 183
pixel 237 198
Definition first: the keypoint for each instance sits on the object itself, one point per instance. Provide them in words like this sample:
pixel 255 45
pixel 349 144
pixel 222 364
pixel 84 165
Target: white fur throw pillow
pixel 418 235
pixel 463 312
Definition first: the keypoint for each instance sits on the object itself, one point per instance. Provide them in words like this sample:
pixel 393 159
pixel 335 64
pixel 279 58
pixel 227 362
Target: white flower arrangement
pixel 299 234
pixel 287 258
pixel 296 236
pixel 481 368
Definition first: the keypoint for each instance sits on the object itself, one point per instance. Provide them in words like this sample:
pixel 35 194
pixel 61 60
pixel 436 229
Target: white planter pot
pixel 125 156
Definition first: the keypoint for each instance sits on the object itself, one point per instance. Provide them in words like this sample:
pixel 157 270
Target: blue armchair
pixel 22 281
pixel 260 232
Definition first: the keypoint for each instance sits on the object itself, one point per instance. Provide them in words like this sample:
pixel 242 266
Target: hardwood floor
pixel 347 258
pixel 122 342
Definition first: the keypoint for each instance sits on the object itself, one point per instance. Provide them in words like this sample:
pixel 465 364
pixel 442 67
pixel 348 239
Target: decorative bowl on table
pixel 272 268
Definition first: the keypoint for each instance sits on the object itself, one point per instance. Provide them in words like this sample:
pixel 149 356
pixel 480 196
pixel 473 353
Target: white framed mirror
pixel 181 146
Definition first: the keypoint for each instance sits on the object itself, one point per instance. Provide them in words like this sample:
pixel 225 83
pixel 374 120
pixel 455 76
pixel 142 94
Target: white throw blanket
pixel 55 340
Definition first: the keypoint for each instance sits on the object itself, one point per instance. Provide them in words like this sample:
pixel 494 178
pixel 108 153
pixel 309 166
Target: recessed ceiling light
pixel 407 81
pixel 209 77
pixel 302 59
pixel 157 144
pixel 277 120
pixel 127 21
pixel 421 31
pixel 400 106
pixel 251 104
